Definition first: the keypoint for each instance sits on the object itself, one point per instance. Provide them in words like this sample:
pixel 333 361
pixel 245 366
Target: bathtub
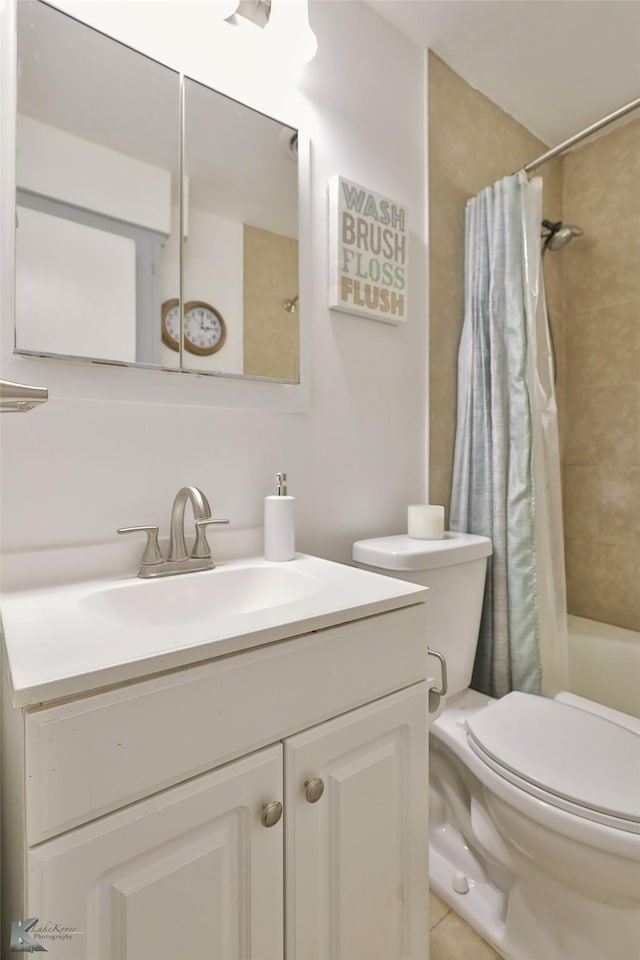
pixel 604 664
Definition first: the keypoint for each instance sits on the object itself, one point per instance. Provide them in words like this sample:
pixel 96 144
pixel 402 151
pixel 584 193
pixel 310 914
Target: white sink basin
pixel 193 597
pixel 66 639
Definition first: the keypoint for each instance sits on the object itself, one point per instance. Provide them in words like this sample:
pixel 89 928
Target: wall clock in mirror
pixel 204 327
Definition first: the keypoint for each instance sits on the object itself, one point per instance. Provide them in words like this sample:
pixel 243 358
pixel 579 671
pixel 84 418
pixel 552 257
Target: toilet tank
pixel 454 569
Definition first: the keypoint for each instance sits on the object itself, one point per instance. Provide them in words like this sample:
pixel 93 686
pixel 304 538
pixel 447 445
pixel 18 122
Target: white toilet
pixel 534 802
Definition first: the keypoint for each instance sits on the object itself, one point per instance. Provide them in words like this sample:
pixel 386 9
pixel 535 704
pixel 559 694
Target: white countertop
pixel 59 644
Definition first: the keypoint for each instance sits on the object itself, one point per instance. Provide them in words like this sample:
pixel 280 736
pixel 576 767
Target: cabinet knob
pixel 271 813
pixel 313 789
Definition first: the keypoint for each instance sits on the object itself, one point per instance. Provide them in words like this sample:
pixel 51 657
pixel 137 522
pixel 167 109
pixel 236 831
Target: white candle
pixel 425 521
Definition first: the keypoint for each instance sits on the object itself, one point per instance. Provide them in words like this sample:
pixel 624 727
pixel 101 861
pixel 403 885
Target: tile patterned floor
pixel 451 938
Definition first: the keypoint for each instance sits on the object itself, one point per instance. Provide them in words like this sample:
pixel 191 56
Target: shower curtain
pixel 506 474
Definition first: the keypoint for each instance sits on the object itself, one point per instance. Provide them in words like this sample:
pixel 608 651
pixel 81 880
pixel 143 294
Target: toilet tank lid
pixel 401 552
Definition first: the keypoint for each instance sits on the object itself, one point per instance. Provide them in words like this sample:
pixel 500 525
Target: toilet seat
pixel 539 745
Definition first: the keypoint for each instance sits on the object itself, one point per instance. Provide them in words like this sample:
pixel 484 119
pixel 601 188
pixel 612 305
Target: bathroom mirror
pixel 99 204
pixel 241 228
pixel 98 148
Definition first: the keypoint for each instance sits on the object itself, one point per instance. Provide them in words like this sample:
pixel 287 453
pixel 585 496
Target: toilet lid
pixel 568 757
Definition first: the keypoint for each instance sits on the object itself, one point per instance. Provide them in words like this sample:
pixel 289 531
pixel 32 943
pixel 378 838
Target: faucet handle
pixel 201 548
pixel 152 553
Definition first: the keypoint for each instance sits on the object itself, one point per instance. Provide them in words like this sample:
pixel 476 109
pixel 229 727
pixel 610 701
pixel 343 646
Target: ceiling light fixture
pixel 288 31
pixel 224 8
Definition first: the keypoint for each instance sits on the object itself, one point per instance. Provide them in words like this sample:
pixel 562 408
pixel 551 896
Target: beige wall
pixel 270 279
pixel 602 459
pixel 593 291
pixel 472 143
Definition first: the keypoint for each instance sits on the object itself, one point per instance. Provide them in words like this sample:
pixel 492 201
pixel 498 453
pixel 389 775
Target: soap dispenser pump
pixel 279 523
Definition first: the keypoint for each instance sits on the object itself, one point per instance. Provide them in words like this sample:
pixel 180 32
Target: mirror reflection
pixel 98 212
pixel 240 246
pixel 97 192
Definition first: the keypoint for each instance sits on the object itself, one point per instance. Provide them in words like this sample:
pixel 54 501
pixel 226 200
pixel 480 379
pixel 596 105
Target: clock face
pixel 171 324
pixel 204 328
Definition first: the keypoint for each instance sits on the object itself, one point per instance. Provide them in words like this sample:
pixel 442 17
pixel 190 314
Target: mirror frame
pixel 74 376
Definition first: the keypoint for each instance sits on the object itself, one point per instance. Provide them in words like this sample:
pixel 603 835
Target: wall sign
pixel 369 248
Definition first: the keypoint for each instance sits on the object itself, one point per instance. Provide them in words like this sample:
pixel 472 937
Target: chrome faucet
pixel 179 560
pixel 201 511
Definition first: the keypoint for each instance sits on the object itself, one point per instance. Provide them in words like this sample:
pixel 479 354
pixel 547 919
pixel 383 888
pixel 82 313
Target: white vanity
pixel 228 764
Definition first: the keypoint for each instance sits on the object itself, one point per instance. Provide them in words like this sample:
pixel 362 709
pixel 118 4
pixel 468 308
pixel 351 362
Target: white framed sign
pixel 368 253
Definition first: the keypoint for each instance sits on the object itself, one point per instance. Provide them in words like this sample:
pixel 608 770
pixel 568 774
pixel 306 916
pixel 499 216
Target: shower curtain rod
pixel 577 137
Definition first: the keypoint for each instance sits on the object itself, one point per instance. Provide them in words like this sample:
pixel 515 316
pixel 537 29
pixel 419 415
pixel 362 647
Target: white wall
pixel 75 288
pixel 60 165
pixel 212 273
pixel 111 447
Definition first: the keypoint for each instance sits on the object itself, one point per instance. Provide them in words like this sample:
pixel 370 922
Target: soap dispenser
pixel 279 523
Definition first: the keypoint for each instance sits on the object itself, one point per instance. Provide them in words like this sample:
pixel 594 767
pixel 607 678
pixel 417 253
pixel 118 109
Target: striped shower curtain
pixel 506 476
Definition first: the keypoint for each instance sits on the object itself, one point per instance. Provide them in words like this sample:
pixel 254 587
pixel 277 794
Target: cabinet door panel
pixel 190 872
pixel 357 858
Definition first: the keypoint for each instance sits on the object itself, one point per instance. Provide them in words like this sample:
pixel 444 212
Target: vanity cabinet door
pixel 356 855
pixel 190 872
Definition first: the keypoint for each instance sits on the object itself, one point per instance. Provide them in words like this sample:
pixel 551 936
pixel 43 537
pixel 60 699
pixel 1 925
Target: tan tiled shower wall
pixel 271 333
pixel 602 302
pixel 593 293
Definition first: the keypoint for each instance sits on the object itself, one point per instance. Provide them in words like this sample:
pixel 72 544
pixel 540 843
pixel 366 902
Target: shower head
pixel 559 234
pixel 560 238
pixel 291 305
